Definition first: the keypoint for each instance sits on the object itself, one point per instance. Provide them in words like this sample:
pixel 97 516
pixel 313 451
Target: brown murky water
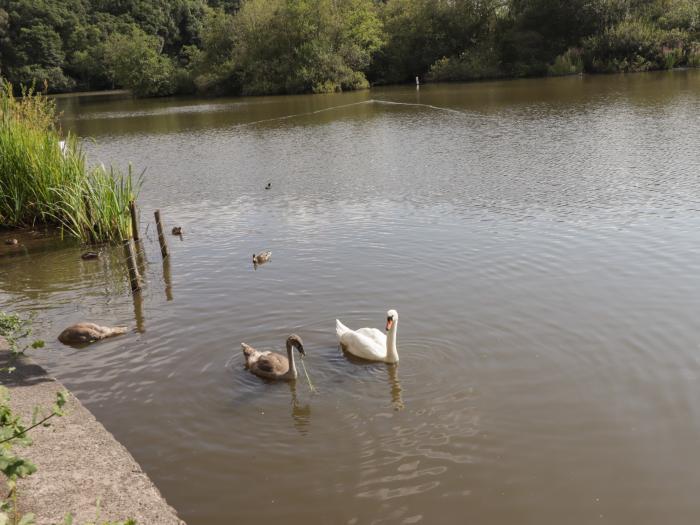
pixel 540 240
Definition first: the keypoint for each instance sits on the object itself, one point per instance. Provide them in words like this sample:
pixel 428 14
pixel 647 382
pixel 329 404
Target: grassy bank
pixel 46 181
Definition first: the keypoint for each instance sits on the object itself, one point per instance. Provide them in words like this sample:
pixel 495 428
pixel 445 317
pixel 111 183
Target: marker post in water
pixel 134 277
pixel 161 236
pixel 134 221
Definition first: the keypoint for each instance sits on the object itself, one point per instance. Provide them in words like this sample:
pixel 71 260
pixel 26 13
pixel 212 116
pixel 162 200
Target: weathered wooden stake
pixel 134 221
pixel 168 279
pixel 161 237
pixel 137 298
pixel 140 256
pixel 134 277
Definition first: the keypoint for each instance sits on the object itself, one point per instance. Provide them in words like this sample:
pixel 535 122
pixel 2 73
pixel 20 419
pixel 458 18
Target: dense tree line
pixel 161 47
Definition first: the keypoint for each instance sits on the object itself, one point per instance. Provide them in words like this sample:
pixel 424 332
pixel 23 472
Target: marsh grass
pixel 46 182
pixel 568 63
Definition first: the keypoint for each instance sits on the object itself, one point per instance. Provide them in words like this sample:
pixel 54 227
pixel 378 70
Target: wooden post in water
pixel 134 277
pixel 134 221
pixel 168 279
pixel 137 298
pixel 161 237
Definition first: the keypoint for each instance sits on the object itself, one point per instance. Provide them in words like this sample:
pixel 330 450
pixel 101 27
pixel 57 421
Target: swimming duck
pixel 269 186
pixel 88 256
pixel 272 365
pixel 262 257
pixel 370 343
pixel 11 241
pixel 177 230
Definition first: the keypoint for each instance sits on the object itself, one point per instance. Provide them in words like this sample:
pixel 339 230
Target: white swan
pixel 370 343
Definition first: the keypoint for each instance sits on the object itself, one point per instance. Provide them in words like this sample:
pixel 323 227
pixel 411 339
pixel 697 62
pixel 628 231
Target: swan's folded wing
pixel 377 335
pixel 361 345
pixel 272 362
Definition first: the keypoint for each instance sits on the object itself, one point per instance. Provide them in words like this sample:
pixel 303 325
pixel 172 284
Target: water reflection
pixel 140 319
pixel 395 384
pixel 301 413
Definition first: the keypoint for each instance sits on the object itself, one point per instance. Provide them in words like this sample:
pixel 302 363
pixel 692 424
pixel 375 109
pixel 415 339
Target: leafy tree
pixel 294 46
pixel 136 63
pixel 291 46
pixel 420 32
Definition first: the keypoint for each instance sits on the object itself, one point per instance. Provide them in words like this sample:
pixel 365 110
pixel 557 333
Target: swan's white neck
pixel 292 372
pixel 392 353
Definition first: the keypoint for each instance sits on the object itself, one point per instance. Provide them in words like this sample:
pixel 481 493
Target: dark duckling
pixel 177 230
pixel 262 257
pixel 269 186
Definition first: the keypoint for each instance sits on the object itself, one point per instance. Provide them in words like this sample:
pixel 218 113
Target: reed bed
pixel 44 181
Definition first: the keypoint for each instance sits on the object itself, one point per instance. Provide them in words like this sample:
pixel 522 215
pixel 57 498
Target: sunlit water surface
pixel 540 240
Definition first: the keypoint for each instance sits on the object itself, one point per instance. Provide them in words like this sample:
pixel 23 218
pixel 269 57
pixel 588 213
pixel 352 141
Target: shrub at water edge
pixel 44 181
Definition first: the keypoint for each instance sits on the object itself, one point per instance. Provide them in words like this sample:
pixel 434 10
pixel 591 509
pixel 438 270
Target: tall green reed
pixel 44 181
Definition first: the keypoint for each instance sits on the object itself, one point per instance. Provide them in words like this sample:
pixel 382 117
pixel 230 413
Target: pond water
pixel 540 240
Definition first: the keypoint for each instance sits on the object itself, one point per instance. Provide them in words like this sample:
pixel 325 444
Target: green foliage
pixel 298 46
pixel 694 55
pixel 69 521
pixel 13 432
pixel 161 47
pixel 635 45
pixel 474 64
pixel 421 32
pixel 134 61
pixel 568 63
pixel 14 328
pixel 48 182
pixel 212 65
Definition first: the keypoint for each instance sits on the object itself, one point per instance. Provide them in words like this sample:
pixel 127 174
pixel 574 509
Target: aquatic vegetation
pixel 694 55
pixel 568 63
pixel 478 63
pixel 636 45
pixel 15 328
pixel 45 180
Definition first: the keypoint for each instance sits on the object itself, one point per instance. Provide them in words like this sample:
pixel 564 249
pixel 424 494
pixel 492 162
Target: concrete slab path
pixel 79 463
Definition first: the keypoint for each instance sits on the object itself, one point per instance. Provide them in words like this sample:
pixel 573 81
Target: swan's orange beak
pixel 389 323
